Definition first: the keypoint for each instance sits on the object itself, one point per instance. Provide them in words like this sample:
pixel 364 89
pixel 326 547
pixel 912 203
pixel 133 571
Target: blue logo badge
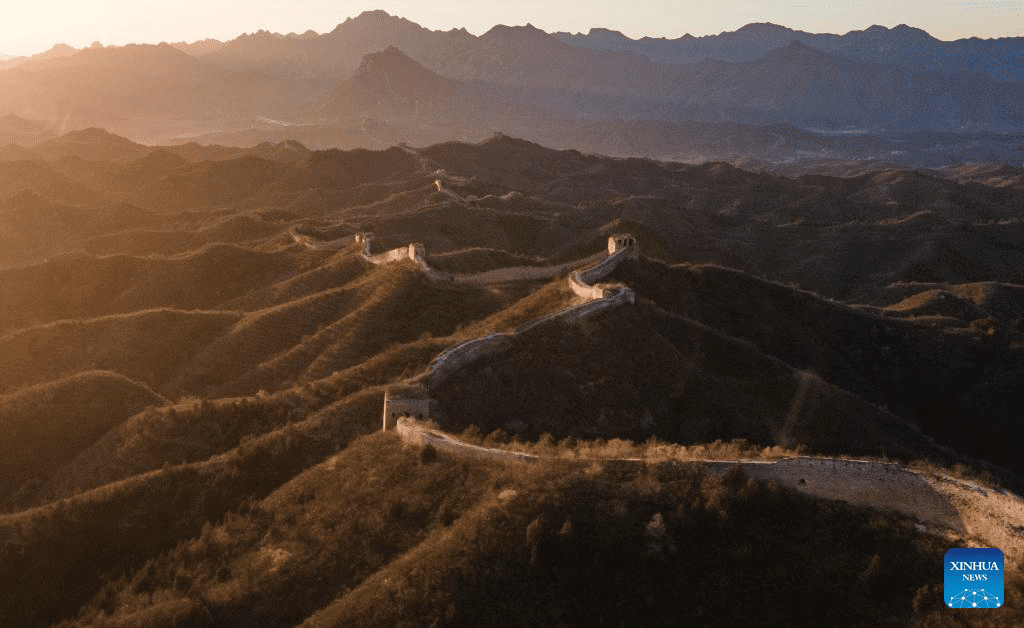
pixel 974 578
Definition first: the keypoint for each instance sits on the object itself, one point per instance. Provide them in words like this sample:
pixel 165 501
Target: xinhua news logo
pixel 974 578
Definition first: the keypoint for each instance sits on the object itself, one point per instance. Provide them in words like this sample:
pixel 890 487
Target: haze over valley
pixel 700 330
pixel 763 93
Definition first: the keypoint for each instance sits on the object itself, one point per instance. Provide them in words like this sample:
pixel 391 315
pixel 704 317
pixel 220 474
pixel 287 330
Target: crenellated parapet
pixel 598 297
pixel 584 283
pixel 405 401
pixel 623 241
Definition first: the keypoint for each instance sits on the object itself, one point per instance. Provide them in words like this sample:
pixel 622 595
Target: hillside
pixel 198 341
pixel 717 354
pixel 46 425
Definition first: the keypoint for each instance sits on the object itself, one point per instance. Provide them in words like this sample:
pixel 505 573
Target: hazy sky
pixel 31 26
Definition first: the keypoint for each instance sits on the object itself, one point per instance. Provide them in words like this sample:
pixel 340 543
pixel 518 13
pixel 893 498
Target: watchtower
pixel 619 241
pixel 405 401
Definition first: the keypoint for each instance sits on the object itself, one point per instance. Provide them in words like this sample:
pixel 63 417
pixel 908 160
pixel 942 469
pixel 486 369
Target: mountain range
pixel 197 348
pixel 740 317
pixel 911 49
pixel 377 80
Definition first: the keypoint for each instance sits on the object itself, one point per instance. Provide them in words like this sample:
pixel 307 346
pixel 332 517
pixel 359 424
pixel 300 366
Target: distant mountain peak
pixel 762 27
pixel 503 141
pixel 902 31
pixel 391 80
pixel 797 47
pixel 905 30
pixel 376 16
pixel 260 34
pixel 391 51
pixel 377 21
pixel 389 59
pixel 93 135
pixel 797 53
pixel 518 35
pixel 372 13
pixel 58 51
pixel 502 30
pixel 606 32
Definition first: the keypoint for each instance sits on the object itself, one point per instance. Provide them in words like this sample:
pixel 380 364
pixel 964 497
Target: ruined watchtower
pixel 405 401
pixel 619 241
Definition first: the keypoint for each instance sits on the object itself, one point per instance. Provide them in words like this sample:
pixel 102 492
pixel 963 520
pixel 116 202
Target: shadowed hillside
pixel 930 379
pixel 635 375
pixel 507 545
pixel 46 425
pixel 87 287
pixel 147 346
pixel 197 342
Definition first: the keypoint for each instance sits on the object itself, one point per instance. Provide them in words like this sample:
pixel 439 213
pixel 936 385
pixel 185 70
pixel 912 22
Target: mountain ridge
pixel 519 80
pixel 240 477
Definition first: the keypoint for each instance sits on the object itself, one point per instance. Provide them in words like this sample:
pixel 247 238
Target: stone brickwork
pixel 995 515
pixel 413 434
pixel 455 358
pixel 520 273
pixel 584 282
pixel 405 401
pixel 623 241
pixel 599 297
pixel 935 500
pixel 859 482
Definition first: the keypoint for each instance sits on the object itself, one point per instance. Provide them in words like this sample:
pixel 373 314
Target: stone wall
pixel 520 273
pixel 413 434
pixel 461 355
pixel 397 405
pixel 465 353
pixel 394 255
pixel 584 282
pixel 579 281
pixel 859 482
pixel 931 499
pixel 865 483
pixel 418 254
pixel 620 241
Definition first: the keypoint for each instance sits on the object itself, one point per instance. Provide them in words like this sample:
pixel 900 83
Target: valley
pixel 392 326
pixel 259 336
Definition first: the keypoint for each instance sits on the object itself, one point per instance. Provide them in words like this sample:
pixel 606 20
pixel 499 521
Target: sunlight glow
pixel 32 27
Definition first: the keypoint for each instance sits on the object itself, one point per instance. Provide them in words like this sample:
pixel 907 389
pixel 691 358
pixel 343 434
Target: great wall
pixel 989 515
pixel 595 299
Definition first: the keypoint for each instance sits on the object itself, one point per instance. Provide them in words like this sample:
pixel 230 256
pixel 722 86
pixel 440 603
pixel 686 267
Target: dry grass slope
pixel 87 287
pixel 148 346
pixel 46 425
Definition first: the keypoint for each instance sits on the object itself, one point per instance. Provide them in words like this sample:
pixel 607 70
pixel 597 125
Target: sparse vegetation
pixel 215 461
pixel 652 450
